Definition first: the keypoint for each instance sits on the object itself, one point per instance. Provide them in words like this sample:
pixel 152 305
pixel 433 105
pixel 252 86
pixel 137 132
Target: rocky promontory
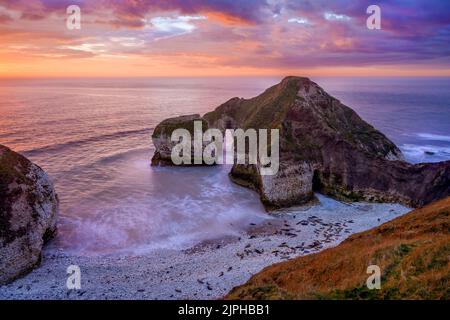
pixel 28 211
pixel 324 146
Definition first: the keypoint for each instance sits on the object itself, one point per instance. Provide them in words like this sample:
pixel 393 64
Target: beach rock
pixel 324 146
pixel 28 210
pixel 162 134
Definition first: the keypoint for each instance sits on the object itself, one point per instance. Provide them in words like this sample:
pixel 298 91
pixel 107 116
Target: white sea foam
pixel 434 137
pixel 162 208
pixel 425 153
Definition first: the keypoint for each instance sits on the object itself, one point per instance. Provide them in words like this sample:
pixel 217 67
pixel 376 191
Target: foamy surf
pixel 434 137
pixel 162 208
pixel 425 153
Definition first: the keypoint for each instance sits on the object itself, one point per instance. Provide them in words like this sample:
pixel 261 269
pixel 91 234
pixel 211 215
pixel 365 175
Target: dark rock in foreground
pixel 324 146
pixel 28 210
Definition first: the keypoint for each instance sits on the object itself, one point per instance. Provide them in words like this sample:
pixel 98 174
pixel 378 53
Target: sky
pixel 134 38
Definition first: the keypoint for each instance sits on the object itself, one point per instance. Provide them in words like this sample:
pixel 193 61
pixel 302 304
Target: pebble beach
pixel 208 270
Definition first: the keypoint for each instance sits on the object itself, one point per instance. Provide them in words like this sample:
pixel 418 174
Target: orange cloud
pixel 227 19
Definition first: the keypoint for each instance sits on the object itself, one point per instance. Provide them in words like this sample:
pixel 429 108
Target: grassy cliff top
pixel 167 126
pixel 413 252
pixel 267 110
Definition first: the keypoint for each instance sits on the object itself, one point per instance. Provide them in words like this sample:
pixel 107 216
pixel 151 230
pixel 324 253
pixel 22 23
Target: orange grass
pixel 413 252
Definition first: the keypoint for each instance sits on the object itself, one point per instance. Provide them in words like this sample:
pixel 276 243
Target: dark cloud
pixel 249 11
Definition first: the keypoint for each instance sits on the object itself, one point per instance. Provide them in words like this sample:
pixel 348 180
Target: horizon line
pixel 217 76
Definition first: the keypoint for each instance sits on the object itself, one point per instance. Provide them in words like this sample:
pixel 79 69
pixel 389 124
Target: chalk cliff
pixel 324 146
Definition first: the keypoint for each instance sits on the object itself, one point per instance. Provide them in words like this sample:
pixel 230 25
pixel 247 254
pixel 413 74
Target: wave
pixel 435 137
pixel 425 153
pixel 80 142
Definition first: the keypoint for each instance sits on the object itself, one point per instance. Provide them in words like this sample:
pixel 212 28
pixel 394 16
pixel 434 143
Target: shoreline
pixel 208 270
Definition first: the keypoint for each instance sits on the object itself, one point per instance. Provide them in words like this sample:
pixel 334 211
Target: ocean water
pixel 93 137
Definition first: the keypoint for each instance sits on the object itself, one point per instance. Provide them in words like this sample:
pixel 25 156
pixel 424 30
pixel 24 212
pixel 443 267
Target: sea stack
pixel 28 211
pixel 326 147
pixel 162 137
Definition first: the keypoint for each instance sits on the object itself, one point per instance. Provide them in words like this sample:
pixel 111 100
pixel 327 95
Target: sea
pixel 93 137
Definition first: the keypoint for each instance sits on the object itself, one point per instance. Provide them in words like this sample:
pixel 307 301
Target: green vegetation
pixel 184 122
pixel 266 111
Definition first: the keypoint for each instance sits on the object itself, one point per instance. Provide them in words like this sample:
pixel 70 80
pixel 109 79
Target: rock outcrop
pixel 411 251
pixel 325 146
pixel 28 211
pixel 162 137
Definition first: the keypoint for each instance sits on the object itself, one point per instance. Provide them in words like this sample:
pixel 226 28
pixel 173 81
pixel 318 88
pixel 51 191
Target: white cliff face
pixel 163 146
pixel 291 183
pixel 28 213
pixel 162 138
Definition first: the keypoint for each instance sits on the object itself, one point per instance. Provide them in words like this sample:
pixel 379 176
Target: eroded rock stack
pixel 324 146
pixel 28 210
pixel 162 137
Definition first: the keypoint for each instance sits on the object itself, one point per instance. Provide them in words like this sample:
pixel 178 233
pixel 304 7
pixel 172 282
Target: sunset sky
pixel 224 37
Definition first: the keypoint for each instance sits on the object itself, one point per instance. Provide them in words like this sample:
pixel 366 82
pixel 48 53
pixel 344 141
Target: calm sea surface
pixel 93 138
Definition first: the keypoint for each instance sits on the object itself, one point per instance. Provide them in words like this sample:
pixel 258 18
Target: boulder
pixel 28 210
